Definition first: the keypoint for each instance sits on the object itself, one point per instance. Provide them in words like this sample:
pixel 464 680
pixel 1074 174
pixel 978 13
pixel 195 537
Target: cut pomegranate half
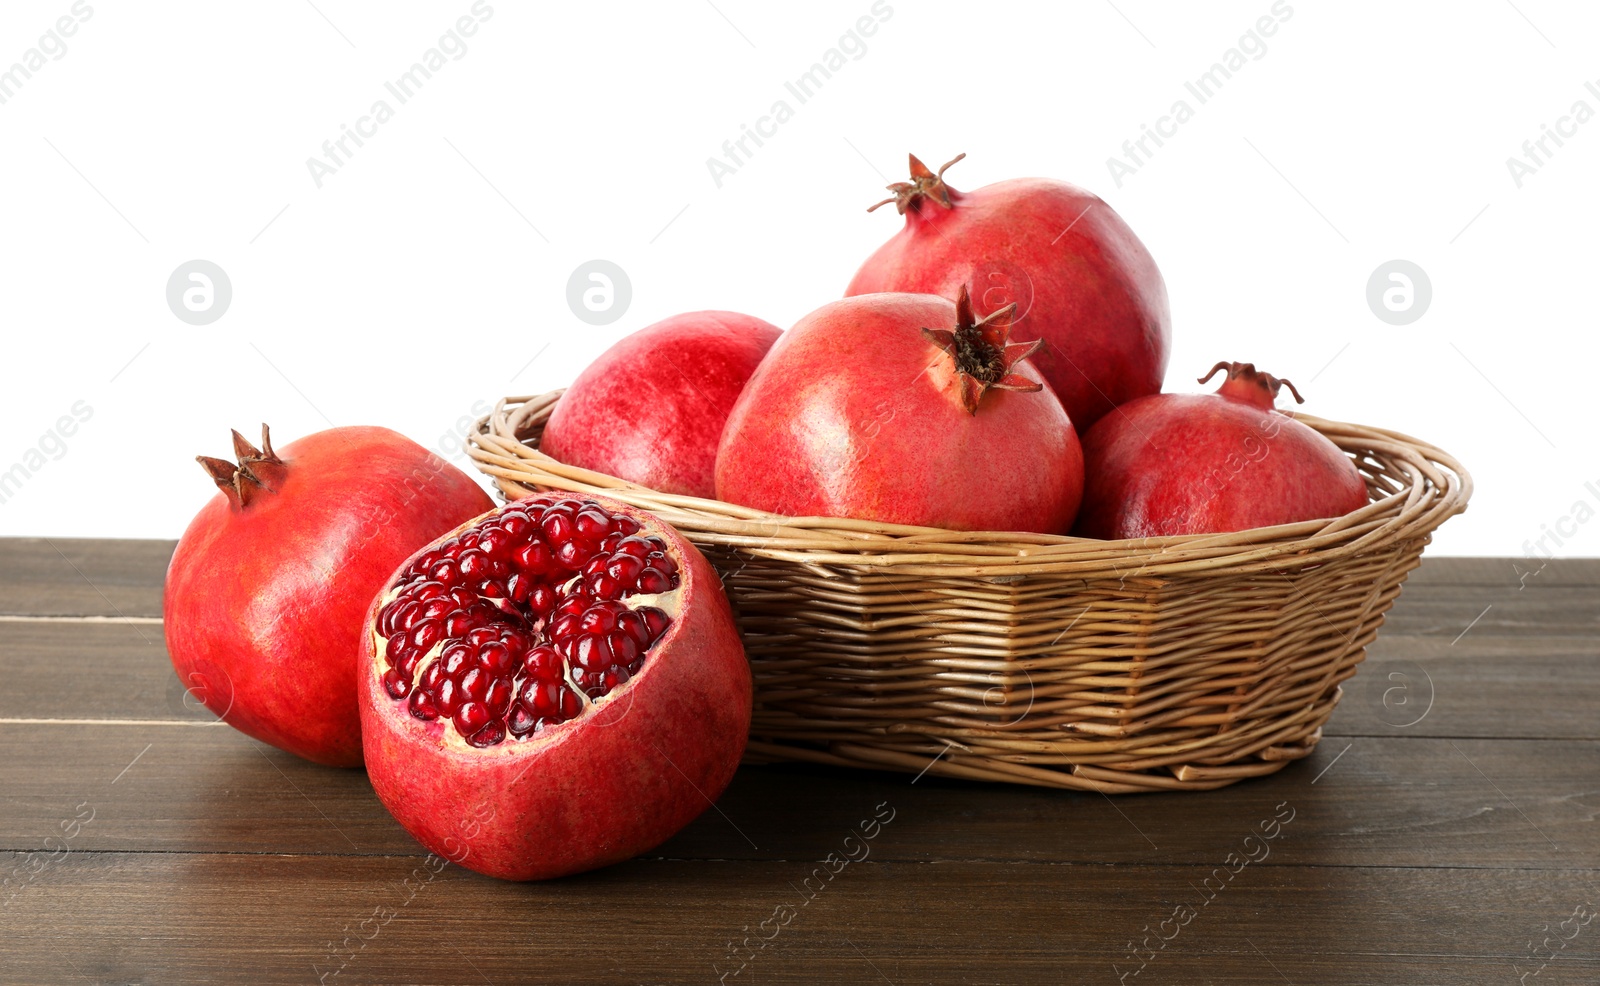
pixel 525 618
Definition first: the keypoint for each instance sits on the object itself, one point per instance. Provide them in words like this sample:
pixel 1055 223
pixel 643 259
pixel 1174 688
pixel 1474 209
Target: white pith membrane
pixel 586 688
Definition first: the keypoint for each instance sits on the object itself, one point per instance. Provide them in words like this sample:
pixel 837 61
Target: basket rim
pixel 1427 486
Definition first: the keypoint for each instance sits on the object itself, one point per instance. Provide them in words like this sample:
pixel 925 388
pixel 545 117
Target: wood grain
pixel 180 918
pixel 1430 849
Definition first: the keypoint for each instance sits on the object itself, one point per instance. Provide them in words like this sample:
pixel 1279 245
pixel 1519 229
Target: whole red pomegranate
pixel 651 409
pixel 1080 279
pixel 555 687
pixel 903 408
pixel 268 588
pixel 1211 463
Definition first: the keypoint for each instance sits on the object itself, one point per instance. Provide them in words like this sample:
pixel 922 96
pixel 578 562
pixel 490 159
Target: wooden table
pixel 1447 830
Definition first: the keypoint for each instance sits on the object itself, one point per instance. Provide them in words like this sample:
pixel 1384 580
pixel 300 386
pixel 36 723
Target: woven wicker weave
pixel 1177 663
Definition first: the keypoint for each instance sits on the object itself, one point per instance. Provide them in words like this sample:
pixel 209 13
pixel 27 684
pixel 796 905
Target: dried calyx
pixel 258 471
pixel 985 357
pixel 923 184
pixel 1248 384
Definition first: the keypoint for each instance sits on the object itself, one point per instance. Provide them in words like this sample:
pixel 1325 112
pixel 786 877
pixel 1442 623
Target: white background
pixel 423 277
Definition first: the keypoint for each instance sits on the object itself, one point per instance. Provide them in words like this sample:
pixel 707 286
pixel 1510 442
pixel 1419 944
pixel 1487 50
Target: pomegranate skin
pixel 855 413
pixel 1209 464
pixel 652 407
pixel 1082 281
pixel 263 606
pixel 619 780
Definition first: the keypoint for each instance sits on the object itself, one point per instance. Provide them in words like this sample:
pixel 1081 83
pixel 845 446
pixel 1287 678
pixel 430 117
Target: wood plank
pixel 1480 686
pixel 82 576
pixel 1367 801
pixel 179 918
pixel 1508 572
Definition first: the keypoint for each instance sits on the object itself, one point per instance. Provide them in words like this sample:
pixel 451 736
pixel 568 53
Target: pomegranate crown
pixel 984 354
pixel 923 184
pixel 1248 384
pixel 259 470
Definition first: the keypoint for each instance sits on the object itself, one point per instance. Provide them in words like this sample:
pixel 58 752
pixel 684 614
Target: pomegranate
pixel 907 409
pixel 557 686
pixel 1212 463
pixel 267 590
pixel 651 409
pixel 1080 279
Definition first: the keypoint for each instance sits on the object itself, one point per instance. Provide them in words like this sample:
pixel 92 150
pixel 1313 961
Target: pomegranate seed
pixel 458 624
pixel 516 524
pixel 659 559
pixel 447 697
pixel 445 572
pixel 431 678
pixel 535 557
pixel 463 596
pixel 623 647
pixel 499 697
pixel 627 526
pixel 471 717
pixel 571 704
pixel 413 613
pixel 634 547
pixel 543 663
pixel 495 544
pixel 572 606
pixel 613 677
pixel 522 720
pixel 564 626
pixel 423 706
pixel 479 636
pixel 425 634
pixel 571 553
pixel 653 580
pixel 656 619
pixel 435 608
pixel 454 660
pixel 494 590
pixel 474 686
pixel 605 587
pixel 428 590
pixel 592 524
pixel 558 527
pixel 594 566
pixel 495 660
pixel 489 735
pixel 473 565
pixel 609 543
pixel 395 685
pixel 407 665
pixel 542 600
pixel 593 653
pixel 633 624
pixel 624 568
pixel 598 619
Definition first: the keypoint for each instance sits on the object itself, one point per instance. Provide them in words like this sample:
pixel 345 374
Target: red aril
pixel 1211 463
pixel 1080 279
pixel 903 408
pixel 268 589
pixel 557 686
pixel 651 409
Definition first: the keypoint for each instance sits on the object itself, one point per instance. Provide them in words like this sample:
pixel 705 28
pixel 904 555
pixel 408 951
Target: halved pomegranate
pixel 556 686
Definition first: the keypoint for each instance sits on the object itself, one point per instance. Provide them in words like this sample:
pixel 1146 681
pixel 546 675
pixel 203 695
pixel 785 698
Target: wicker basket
pixel 1176 663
